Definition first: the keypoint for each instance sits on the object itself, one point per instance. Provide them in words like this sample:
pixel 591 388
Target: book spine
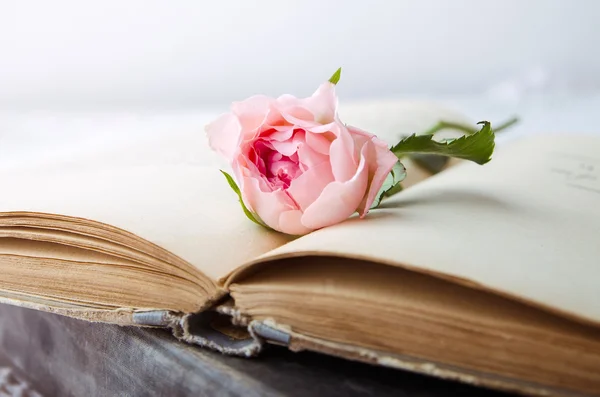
pixel 157 318
pixel 224 329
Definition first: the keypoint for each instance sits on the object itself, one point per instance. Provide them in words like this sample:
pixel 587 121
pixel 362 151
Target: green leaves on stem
pixel 391 185
pixel 477 147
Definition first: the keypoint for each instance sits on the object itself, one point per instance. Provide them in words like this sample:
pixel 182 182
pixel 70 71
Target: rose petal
pixel 385 162
pixel 306 120
pixel 323 128
pixel 290 223
pixel 298 113
pixel 380 161
pixel 323 103
pixel 309 158
pixel 275 119
pixel 338 200
pixel 331 170
pixel 244 168
pixel 308 187
pixel 251 113
pixel 268 205
pixel 289 147
pixel 318 142
pixel 341 155
pixel 224 135
pixel 359 132
pixel 282 133
pixel 287 100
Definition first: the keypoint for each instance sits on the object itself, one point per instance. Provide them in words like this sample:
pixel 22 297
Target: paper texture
pixel 387 308
pixel 300 342
pixel 187 210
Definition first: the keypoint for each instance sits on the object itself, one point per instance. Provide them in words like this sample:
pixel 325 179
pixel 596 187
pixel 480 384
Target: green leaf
pixel 397 188
pixel 237 191
pixel 391 185
pixel 336 76
pixel 477 147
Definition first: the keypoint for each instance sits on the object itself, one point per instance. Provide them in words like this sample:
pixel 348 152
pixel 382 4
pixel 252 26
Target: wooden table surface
pixel 51 355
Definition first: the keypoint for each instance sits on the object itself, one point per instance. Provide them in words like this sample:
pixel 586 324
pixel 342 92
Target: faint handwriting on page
pixel 580 172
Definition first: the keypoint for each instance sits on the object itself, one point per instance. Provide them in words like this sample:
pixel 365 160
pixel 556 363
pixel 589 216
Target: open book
pixel 485 274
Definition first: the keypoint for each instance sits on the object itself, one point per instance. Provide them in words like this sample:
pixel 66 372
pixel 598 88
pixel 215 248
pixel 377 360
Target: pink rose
pixel 299 168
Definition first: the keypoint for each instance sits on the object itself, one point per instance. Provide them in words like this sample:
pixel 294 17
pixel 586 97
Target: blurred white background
pixel 190 53
pixel 94 74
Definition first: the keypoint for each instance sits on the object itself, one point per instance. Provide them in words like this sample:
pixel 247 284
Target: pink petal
pixel 323 103
pixel 286 148
pixel 289 147
pixel 342 156
pixel 308 187
pixel 380 161
pixel 287 100
pixel 338 200
pixel 268 205
pixel 310 158
pixel 358 131
pixel 251 113
pixel 224 135
pixel 318 142
pixel 282 133
pixel 302 119
pixel 290 223
pixel 360 138
pixel 298 113
pixel 244 168
pixel 321 128
pixel 275 119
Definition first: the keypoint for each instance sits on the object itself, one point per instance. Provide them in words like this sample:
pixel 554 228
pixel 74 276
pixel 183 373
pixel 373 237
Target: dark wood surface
pixel 56 356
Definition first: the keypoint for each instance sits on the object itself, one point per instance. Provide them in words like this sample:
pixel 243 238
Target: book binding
pixel 226 330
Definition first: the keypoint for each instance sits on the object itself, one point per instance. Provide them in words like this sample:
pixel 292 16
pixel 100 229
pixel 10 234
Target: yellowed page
pixel 188 210
pixel 526 225
pixel 393 310
pixel 168 189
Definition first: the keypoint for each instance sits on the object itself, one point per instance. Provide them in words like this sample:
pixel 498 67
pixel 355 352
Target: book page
pixel 164 187
pixel 526 225
pixel 159 179
pixel 185 209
